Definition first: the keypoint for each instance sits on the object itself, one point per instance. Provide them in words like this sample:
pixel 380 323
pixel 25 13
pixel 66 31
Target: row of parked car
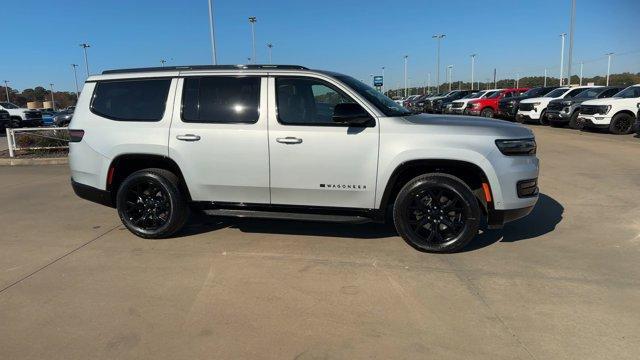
pixel 607 107
pixel 13 116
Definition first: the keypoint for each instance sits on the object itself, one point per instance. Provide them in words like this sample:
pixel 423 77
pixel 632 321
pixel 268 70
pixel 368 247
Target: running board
pixel 278 215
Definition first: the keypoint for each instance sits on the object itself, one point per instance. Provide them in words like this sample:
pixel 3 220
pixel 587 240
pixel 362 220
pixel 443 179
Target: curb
pixel 37 161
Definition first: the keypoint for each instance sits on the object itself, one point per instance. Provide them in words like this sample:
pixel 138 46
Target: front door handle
pixel 188 137
pixel 289 140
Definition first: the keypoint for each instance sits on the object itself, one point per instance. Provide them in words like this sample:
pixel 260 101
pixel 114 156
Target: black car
pixel 4 119
pixel 508 108
pixel 430 102
pixel 63 118
pixel 440 104
pixel 561 112
pixel 417 104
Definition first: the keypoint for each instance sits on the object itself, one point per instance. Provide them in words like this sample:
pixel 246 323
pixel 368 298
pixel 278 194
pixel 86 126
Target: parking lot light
pixel 405 75
pixel 75 76
pixel 608 66
pixel 563 35
pixel 473 63
pixel 53 102
pixel 252 21
pixel 6 89
pixel 438 37
pixel 581 67
pixel 450 70
pixel 270 49
pixel 214 59
pixel 84 47
pixel 545 77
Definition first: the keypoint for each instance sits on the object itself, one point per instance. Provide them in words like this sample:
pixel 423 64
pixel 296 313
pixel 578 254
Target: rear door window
pixel 131 100
pixel 221 99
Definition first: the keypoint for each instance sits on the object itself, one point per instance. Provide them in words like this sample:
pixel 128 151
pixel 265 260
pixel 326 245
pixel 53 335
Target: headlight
pixel 514 147
pixel 604 109
pixel 566 103
pixel 474 104
pixel 535 103
pixel 512 102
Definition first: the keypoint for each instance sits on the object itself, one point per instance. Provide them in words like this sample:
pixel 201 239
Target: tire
pixel 456 220
pixel 151 204
pixel 543 118
pixel 622 124
pixel 487 112
pixel 574 123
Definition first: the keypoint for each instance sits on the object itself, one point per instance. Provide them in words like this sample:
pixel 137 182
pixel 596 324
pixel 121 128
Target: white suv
pixel 617 113
pixel 287 142
pixel 21 117
pixel 535 109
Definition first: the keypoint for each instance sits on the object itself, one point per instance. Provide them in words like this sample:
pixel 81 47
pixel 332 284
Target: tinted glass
pixel 7 105
pixel 589 93
pixel 556 92
pixel 131 100
pixel 306 101
pixel 494 95
pixel 221 99
pixel 609 93
pixel 630 92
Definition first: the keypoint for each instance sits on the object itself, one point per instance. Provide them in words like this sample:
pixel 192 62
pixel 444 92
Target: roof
pixel 205 67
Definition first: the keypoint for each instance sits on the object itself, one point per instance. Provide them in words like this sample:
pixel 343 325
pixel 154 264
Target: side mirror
pixel 351 114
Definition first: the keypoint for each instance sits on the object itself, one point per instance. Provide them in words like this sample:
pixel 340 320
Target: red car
pixel 488 106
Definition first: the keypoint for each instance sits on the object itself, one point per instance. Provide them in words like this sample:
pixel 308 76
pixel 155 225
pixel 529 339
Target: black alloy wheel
pixel 622 124
pixel 437 213
pixel 150 203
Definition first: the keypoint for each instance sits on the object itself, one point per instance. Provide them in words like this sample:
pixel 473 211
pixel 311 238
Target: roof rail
pixel 206 67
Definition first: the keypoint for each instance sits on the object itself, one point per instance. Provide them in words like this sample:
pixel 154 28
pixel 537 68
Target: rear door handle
pixel 289 140
pixel 188 137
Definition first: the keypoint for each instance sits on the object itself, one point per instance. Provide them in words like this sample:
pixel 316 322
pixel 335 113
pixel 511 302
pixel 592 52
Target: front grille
pixel 589 109
pixel 555 106
pixel 505 105
pixel 33 115
pixel 527 188
pixel 526 106
pixel 457 105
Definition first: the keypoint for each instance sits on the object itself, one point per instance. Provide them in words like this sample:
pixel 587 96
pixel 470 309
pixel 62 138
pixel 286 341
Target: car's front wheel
pixel 487 112
pixel 543 118
pixel 436 213
pixel 622 124
pixel 151 204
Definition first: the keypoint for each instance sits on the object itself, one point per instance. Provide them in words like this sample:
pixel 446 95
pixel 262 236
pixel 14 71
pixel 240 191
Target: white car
pixel 458 106
pixel 535 109
pixel 21 117
pixel 617 113
pixel 283 141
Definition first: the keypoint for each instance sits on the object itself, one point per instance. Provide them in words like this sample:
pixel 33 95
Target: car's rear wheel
pixel 622 124
pixel 151 204
pixel 487 112
pixel 436 213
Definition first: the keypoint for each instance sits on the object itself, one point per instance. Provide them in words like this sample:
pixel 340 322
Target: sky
pixel 41 38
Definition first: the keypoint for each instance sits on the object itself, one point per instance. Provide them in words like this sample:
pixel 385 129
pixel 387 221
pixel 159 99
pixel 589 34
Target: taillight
pixel 76 135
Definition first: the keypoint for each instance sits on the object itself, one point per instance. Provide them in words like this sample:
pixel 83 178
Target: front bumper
pixel 472 111
pixel 507 111
pixel 595 121
pixel 497 218
pixel 558 116
pixel 531 114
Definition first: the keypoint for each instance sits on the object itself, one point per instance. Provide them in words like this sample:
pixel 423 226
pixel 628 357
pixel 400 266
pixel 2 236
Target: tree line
pixel 62 99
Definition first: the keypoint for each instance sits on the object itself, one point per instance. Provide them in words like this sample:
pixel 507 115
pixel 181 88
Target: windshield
pixel 7 105
pixel 494 95
pixel 534 92
pixel 588 94
pixel 630 92
pixel 383 103
pixel 557 92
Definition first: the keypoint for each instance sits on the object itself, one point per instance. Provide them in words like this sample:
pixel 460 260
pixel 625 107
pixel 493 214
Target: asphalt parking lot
pixel 563 283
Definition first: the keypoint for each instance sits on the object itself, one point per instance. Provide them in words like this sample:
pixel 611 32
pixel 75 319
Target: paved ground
pixel 563 283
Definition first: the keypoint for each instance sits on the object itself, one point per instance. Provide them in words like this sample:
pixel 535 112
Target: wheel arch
pixel 624 111
pixel 124 165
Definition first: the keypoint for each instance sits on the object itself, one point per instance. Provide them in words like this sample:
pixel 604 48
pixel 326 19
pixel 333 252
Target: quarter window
pixel 221 99
pixel 306 101
pixel 131 100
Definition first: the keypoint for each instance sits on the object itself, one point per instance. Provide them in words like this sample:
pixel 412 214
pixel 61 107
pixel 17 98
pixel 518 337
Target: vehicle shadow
pixel 542 220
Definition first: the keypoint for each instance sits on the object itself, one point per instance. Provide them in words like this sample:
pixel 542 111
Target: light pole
pixel 563 35
pixel 571 27
pixel 473 63
pixel 383 80
pixel 405 75
pixel 214 59
pixel 581 67
pixel 545 77
pixel 252 21
pixel 438 37
pixel 53 102
pixel 75 76
pixel 270 48
pixel 6 89
pixel 450 69
pixel 608 66
pixel 162 62
pixel 84 47
pixel 428 82
pixel 517 80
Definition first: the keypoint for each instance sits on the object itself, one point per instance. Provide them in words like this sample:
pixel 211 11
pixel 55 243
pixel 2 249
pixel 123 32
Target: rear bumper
pixel 92 194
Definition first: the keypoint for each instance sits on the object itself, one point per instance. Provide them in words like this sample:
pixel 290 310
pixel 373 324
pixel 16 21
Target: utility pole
pixel 270 48
pixel 473 63
pixel 545 77
pixel 563 35
pixel 450 70
pixel 383 81
pixel 581 66
pixel 608 66
pixel 6 89
pixel 252 21
pixel 571 28
pixel 405 75
pixel 84 47
pixel 75 76
pixel 53 102
pixel 214 59
pixel 438 37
